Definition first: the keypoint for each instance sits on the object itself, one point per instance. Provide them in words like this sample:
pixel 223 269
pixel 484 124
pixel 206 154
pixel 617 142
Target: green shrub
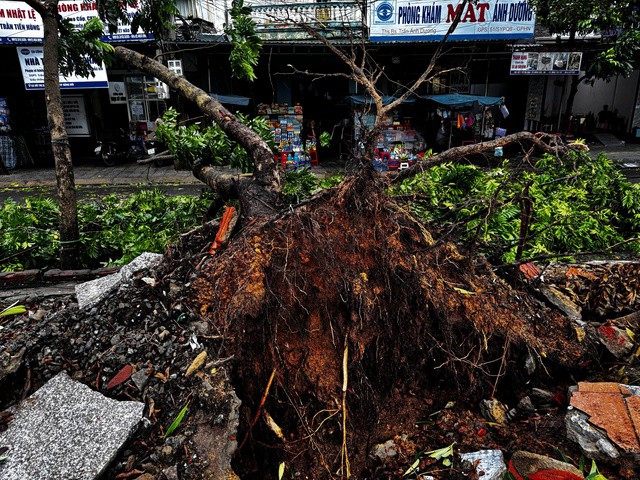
pixel 579 204
pixel 113 230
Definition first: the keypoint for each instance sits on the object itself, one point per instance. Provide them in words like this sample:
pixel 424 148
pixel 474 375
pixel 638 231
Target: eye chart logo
pixel 384 12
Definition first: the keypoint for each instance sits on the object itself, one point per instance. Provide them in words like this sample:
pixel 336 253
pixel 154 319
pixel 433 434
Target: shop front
pixel 94 107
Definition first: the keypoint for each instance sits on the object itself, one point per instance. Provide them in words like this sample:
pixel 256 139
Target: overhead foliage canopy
pixel 616 22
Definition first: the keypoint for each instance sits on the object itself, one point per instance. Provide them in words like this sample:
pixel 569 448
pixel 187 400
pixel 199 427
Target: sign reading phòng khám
pixel 424 20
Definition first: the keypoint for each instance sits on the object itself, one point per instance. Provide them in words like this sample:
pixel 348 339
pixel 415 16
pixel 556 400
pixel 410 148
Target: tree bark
pixel 575 82
pixel 69 235
pixel 260 195
pixel 555 147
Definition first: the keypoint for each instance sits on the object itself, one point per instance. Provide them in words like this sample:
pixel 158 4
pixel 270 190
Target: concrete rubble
pixel 491 463
pixel 93 292
pixel 65 430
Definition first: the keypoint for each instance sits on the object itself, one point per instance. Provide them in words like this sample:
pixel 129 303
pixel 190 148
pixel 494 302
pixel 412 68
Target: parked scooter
pixel 123 147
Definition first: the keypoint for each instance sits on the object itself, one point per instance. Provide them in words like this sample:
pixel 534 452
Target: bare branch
pixel 432 63
pixel 554 147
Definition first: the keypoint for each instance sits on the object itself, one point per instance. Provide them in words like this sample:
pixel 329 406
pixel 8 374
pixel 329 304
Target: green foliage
pixel 301 184
pixel 114 230
pixel 578 205
pixel 207 142
pixel 245 43
pixel 325 139
pixel 616 21
pixel 76 47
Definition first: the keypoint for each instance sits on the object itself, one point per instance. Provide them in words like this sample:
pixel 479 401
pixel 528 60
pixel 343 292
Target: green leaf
pixel 594 474
pixel 15 310
pixel 281 471
pixel 412 468
pixel 177 421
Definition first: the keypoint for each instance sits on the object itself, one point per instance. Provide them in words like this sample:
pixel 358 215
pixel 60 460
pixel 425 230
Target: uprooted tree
pixel 339 308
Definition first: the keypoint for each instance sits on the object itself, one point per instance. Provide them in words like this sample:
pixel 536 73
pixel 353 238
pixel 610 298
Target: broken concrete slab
pixel 93 292
pixel 592 441
pixel 66 430
pixel 491 463
pixel 604 419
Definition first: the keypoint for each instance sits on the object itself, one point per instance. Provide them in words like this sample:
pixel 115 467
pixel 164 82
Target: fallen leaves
pixel 197 363
pixel 122 376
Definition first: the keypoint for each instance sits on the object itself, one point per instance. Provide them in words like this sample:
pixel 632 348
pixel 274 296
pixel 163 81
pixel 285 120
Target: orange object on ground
pixel 227 216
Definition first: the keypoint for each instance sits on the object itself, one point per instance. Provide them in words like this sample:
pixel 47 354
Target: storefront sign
pixel 429 20
pixel 20 24
pixel 33 72
pixel 75 116
pixel 546 63
pixel 117 94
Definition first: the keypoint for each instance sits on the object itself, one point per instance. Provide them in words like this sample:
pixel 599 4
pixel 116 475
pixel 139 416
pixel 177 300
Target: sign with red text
pixel 546 63
pixel 427 21
pixel 21 25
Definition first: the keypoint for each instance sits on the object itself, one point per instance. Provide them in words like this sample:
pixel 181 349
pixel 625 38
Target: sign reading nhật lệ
pixel 21 25
pixel 424 20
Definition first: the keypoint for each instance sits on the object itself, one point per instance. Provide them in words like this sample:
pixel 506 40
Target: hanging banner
pixel 546 63
pixel 75 116
pixel 32 67
pixel 429 20
pixel 20 24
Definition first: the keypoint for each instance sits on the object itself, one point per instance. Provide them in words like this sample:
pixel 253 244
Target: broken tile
pixel 611 408
pixel 66 430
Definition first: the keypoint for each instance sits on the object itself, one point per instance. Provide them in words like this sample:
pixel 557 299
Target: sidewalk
pixel 126 174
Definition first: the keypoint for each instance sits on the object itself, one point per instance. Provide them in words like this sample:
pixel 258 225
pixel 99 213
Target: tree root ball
pixel 353 268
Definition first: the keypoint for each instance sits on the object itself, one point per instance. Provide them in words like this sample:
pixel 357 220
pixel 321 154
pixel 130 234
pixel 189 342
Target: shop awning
pixel 231 99
pixel 365 99
pixel 457 100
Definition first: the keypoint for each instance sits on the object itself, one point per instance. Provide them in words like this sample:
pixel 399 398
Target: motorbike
pixel 123 147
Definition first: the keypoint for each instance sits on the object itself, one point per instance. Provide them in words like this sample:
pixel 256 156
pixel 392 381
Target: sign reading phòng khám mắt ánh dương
pixel 424 20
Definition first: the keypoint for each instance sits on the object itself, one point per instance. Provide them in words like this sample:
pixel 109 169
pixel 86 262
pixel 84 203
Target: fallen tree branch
pixel 263 189
pixel 554 147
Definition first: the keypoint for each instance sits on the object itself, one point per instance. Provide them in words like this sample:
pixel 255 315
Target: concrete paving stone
pixel 65 430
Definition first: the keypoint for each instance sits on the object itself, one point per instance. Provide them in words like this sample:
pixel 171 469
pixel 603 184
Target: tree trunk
pixel 69 236
pixel 258 197
pixel 575 82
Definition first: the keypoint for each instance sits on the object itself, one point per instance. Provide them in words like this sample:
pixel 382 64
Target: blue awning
pixel 457 100
pixel 231 99
pixel 365 99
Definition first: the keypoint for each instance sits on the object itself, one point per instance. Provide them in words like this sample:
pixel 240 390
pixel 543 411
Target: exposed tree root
pixel 353 277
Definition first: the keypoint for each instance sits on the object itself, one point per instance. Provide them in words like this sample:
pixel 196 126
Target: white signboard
pixel 546 63
pixel 429 20
pixel 75 116
pixel 20 24
pixel 117 94
pixel 33 72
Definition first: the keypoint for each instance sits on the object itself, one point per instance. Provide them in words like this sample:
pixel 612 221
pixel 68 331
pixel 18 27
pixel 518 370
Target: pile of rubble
pixel 125 381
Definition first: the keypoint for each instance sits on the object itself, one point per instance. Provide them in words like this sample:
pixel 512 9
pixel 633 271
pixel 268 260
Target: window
pixel 145 98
